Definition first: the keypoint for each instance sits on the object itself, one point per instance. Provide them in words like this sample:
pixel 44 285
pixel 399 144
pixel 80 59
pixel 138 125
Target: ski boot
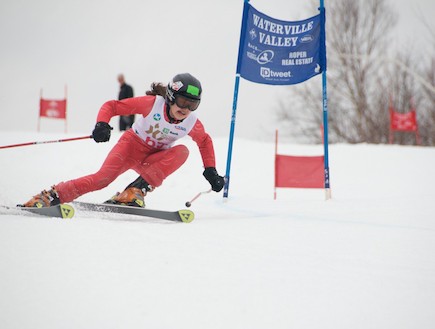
pixel 44 199
pixel 131 196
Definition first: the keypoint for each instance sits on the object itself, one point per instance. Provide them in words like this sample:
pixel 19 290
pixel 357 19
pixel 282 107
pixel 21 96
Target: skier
pixel 166 115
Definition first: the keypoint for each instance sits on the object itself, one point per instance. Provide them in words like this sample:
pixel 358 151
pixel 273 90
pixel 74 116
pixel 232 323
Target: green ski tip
pixel 186 215
pixel 66 211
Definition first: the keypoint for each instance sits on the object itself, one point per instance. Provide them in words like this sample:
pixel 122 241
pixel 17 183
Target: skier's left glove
pixel 217 182
pixel 101 132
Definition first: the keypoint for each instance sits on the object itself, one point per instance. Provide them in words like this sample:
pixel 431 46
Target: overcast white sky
pixel 85 44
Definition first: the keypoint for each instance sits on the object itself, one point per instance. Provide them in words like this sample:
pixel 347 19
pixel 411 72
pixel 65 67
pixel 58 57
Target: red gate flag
pixel 406 122
pixel 298 171
pixel 52 109
pixel 55 109
pixel 403 121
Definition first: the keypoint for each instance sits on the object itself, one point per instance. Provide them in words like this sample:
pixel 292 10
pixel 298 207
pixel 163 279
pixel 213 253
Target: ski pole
pixel 46 142
pixel 189 203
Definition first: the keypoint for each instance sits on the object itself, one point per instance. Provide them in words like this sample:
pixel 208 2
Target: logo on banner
pixel 265 57
pixel 52 110
pixel 266 72
pixel 252 34
pixel 307 38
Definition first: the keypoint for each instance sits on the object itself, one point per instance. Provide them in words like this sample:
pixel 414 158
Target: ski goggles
pixel 186 103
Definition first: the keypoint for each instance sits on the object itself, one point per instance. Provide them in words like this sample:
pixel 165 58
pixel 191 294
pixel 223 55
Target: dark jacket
pixel 126 91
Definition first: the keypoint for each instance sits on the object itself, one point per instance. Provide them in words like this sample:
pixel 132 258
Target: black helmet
pixel 185 85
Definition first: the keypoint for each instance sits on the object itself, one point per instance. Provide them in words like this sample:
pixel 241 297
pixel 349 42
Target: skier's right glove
pixel 101 132
pixel 217 182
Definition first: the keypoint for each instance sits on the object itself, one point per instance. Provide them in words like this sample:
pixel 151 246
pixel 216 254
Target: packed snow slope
pixel 365 259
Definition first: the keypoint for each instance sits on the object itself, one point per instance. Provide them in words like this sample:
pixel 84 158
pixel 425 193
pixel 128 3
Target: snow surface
pixel 364 259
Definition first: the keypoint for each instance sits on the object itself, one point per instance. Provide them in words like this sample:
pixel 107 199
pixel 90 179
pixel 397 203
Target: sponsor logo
pixel 253 34
pixel 265 56
pixel 193 90
pixel 254 47
pixel 180 128
pixel 154 131
pixel 53 113
pixel 251 56
pixel 157 117
pixel 176 85
pixel 266 72
pixel 307 38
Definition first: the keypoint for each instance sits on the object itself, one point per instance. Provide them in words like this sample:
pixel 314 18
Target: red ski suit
pixel 132 152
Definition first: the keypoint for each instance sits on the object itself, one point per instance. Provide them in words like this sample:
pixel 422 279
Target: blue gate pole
pixel 325 107
pixel 236 93
pixel 231 138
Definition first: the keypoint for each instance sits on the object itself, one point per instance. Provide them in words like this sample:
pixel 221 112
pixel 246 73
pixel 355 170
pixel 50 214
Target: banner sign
pixel 279 52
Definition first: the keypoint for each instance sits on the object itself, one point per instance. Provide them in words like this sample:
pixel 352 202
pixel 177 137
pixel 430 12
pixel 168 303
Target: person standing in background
pixel 125 91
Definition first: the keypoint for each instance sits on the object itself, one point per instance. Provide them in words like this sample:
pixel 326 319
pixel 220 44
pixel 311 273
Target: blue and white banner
pixel 279 52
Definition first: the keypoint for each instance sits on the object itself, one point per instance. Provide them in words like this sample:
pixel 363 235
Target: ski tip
pixel 186 215
pixel 67 211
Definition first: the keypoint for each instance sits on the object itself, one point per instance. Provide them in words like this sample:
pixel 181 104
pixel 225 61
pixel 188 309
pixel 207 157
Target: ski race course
pixel 364 259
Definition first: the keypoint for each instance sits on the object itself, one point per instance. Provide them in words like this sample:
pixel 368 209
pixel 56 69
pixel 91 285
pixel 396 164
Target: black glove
pixel 217 182
pixel 101 132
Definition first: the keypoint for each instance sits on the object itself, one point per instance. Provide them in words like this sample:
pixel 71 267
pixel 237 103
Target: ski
pixel 59 211
pixel 185 216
